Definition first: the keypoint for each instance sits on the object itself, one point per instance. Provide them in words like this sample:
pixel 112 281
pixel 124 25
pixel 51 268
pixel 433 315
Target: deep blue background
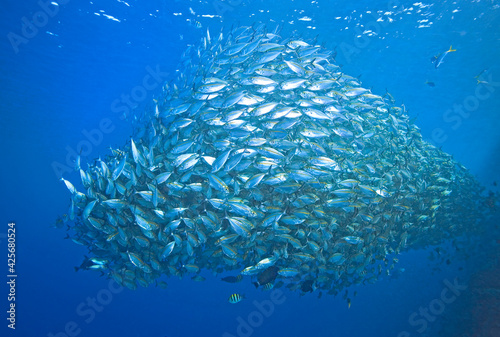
pixel 66 77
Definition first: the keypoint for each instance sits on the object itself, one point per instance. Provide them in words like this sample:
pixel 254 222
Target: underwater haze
pixel 250 168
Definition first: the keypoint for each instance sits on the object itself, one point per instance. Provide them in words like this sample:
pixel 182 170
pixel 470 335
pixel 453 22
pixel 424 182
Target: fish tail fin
pixel 255 284
pixel 451 49
pixel 76 269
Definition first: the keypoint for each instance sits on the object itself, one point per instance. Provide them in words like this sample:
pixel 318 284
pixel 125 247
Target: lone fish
pixel 437 60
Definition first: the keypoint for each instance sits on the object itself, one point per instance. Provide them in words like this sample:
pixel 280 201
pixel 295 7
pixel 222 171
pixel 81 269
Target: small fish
pixel 307 286
pixel 268 286
pixel 479 75
pixel 86 264
pixel 235 298
pixel 267 276
pixel 232 279
pixel 162 284
pixel 353 240
pixel 430 84
pixel 437 60
pixel 69 185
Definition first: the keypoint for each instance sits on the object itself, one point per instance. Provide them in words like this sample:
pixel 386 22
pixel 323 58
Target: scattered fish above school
pixel 263 158
pixel 438 60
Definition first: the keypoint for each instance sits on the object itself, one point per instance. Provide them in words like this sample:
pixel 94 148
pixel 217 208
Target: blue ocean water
pixel 69 71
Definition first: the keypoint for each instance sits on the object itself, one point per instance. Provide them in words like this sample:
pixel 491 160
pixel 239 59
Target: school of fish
pixel 264 159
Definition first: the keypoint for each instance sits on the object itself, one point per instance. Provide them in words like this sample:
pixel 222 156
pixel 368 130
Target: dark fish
pixel 430 84
pixel 307 286
pixel 232 279
pixel 267 276
pixel 59 222
pixel 278 284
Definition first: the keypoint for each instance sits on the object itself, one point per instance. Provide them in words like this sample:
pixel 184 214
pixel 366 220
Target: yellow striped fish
pixel 235 298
